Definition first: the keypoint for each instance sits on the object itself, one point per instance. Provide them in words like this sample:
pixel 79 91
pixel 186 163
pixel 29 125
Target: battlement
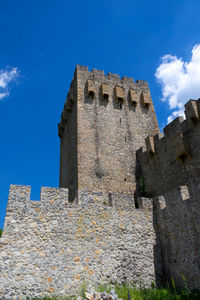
pixel 172 198
pixel 169 160
pixel 97 77
pixel 178 126
pixel 19 198
pixel 108 88
pixel 72 244
pixel 174 133
pixel 96 74
pixel 58 199
pixel 177 219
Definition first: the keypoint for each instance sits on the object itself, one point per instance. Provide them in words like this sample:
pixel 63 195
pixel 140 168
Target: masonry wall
pixel 51 247
pixel 178 220
pixel 112 121
pixel 68 142
pixel 171 160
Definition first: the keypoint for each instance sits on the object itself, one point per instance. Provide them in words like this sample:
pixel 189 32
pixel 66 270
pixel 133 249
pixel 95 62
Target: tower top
pixel 100 75
pixel 105 120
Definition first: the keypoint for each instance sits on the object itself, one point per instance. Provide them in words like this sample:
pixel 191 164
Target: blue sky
pixel 44 40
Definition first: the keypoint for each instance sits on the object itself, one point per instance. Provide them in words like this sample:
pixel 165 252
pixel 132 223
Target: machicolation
pixel 97 227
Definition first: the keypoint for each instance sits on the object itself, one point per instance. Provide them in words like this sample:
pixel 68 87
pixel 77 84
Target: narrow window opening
pixel 134 103
pixel 120 120
pixel 182 158
pixel 120 99
pixel 147 105
pixel 110 199
pixel 120 105
pixel 125 139
pixel 124 179
pixel 105 97
pixel 91 94
pixel 136 203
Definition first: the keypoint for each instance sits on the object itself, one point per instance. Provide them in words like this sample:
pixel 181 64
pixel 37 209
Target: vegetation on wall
pixel 1 232
pixel 142 188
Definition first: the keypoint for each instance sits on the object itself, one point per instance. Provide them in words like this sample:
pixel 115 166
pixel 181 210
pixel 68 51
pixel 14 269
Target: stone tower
pixel 104 121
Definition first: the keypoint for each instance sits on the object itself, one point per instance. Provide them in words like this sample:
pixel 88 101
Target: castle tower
pixel 104 121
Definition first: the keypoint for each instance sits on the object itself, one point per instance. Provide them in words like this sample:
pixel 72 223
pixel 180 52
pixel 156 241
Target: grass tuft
pixel 128 292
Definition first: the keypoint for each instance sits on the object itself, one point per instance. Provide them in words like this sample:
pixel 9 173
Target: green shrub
pixel 1 231
pixel 142 188
pixel 127 292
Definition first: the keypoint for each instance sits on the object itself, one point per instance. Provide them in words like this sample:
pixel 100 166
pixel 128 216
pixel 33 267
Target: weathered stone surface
pixel 56 246
pixel 100 233
pixel 176 155
pixel 171 167
pixel 101 136
pixel 178 224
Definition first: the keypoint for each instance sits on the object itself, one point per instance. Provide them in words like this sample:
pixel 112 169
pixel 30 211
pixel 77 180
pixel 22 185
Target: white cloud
pixel 6 76
pixel 180 81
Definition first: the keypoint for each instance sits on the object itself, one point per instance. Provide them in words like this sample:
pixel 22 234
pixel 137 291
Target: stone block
pixel 133 97
pixel 181 148
pixel 161 201
pixel 145 203
pixel 119 94
pixel 98 72
pixel 90 88
pixel 113 76
pixel 128 80
pixel 142 83
pixel 105 91
pixel 149 141
pixel 174 127
pixel 191 111
pixel 81 68
pixel 145 99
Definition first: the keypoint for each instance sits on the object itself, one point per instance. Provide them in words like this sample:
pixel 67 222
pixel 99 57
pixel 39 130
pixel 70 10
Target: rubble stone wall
pixel 52 246
pixel 178 221
pixel 170 160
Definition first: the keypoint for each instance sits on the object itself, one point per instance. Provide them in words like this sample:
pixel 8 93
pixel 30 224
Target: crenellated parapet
pixel 105 120
pixel 111 87
pixel 51 247
pixel 171 159
pixel 50 198
pixel 99 75
pixel 177 214
pixel 171 199
pixel 107 88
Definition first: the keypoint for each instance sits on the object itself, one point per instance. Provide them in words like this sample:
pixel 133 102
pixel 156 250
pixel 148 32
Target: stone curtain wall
pixel 171 160
pixel 178 220
pixel 113 117
pixel 51 247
